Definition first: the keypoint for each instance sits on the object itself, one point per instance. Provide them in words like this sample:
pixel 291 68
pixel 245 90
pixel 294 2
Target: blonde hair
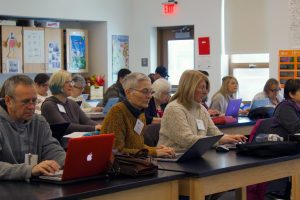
pixel 224 87
pixel 188 84
pixel 58 80
pixel 159 86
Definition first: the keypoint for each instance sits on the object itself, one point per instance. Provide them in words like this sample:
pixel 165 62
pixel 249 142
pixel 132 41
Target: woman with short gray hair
pixel 127 119
pixel 76 94
pixel 161 95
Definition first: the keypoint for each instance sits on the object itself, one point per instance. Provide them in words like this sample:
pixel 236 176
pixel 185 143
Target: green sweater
pixel 121 121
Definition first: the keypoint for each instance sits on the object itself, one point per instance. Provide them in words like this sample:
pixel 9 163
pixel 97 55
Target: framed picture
pixel 12 45
pixel 120 54
pixel 77 50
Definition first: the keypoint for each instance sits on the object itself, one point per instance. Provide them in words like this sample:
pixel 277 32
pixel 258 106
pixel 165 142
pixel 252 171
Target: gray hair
pixel 133 79
pixel 159 86
pixel 11 83
pixel 58 80
pixel 78 80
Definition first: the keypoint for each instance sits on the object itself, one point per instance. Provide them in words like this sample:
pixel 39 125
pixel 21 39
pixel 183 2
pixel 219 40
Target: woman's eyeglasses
pixel 79 88
pixel 144 91
pixel 275 90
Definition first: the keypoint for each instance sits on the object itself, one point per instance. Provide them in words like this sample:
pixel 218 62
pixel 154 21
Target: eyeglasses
pixel 275 90
pixel 27 102
pixel 70 82
pixel 166 93
pixel 79 88
pixel 144 91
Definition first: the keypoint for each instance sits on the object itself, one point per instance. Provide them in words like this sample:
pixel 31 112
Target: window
pixel 251 71
pixel 180 58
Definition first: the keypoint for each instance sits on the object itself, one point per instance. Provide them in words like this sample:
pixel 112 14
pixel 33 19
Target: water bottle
pixel 262 137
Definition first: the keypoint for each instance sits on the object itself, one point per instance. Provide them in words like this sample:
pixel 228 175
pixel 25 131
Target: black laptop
pixel 196 150
pixel 59 130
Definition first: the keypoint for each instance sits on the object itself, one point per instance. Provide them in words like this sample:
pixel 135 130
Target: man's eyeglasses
pixel 144 91
pixel 27 102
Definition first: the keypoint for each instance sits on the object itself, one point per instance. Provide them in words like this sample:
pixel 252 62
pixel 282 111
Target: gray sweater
pixel 17 139
pixel 74 115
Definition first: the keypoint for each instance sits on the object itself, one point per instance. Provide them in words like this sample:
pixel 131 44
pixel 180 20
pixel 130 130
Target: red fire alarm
pixel 169 7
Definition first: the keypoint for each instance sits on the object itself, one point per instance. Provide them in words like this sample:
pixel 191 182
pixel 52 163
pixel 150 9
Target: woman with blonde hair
pixel 185 120
pixel 59 109
pixel 227 91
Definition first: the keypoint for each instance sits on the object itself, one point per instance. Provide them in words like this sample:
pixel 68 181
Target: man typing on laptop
pixel 27 147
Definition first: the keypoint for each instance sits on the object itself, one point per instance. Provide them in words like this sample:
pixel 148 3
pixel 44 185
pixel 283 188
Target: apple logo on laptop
pixel 89 157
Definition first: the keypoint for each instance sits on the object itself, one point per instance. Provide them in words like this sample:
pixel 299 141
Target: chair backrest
pixel 151 134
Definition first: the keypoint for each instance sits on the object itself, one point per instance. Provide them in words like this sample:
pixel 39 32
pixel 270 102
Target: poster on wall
pixel 294 23
pixel 120 54
pixel 11 49
pixel 34 46
pixel 54 53
pixel 77 50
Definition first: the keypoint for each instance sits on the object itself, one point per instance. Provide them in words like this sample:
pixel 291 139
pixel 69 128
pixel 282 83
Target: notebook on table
pixel 86 158
pixel 233 107
pixel 195 151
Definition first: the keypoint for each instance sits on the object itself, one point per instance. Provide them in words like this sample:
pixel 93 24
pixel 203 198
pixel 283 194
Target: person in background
pixel 271 92
pixel 76 94
pixel 127 119
pixel 185 120
pixel 59 109
pixel 25 135
pixel 287 113
pixel 212 112
pixel 116 90
pixel 160 72
pixel 42 86
pixel 151 76
pixel 227 91
pixel 161 95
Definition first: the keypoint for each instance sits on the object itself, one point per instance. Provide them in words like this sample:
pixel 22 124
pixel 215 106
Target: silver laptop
pixel 195 151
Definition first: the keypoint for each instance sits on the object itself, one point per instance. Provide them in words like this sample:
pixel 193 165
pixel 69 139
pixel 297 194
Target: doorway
pixel 176 50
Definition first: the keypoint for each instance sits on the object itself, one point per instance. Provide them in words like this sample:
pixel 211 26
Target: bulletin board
pixel 34 50
pixel 53 49
pixel 77 50
pixel 12 46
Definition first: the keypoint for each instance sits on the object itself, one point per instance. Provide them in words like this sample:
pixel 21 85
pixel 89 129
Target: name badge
pixel 138 126
pixel 61 108
pixel 200 124
pixel 31 159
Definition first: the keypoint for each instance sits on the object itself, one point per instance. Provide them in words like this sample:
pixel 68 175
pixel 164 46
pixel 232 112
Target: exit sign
pixel 169 8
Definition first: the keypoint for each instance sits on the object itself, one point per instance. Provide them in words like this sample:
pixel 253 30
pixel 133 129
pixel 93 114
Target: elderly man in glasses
pixel 27 147
pixel 127 119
